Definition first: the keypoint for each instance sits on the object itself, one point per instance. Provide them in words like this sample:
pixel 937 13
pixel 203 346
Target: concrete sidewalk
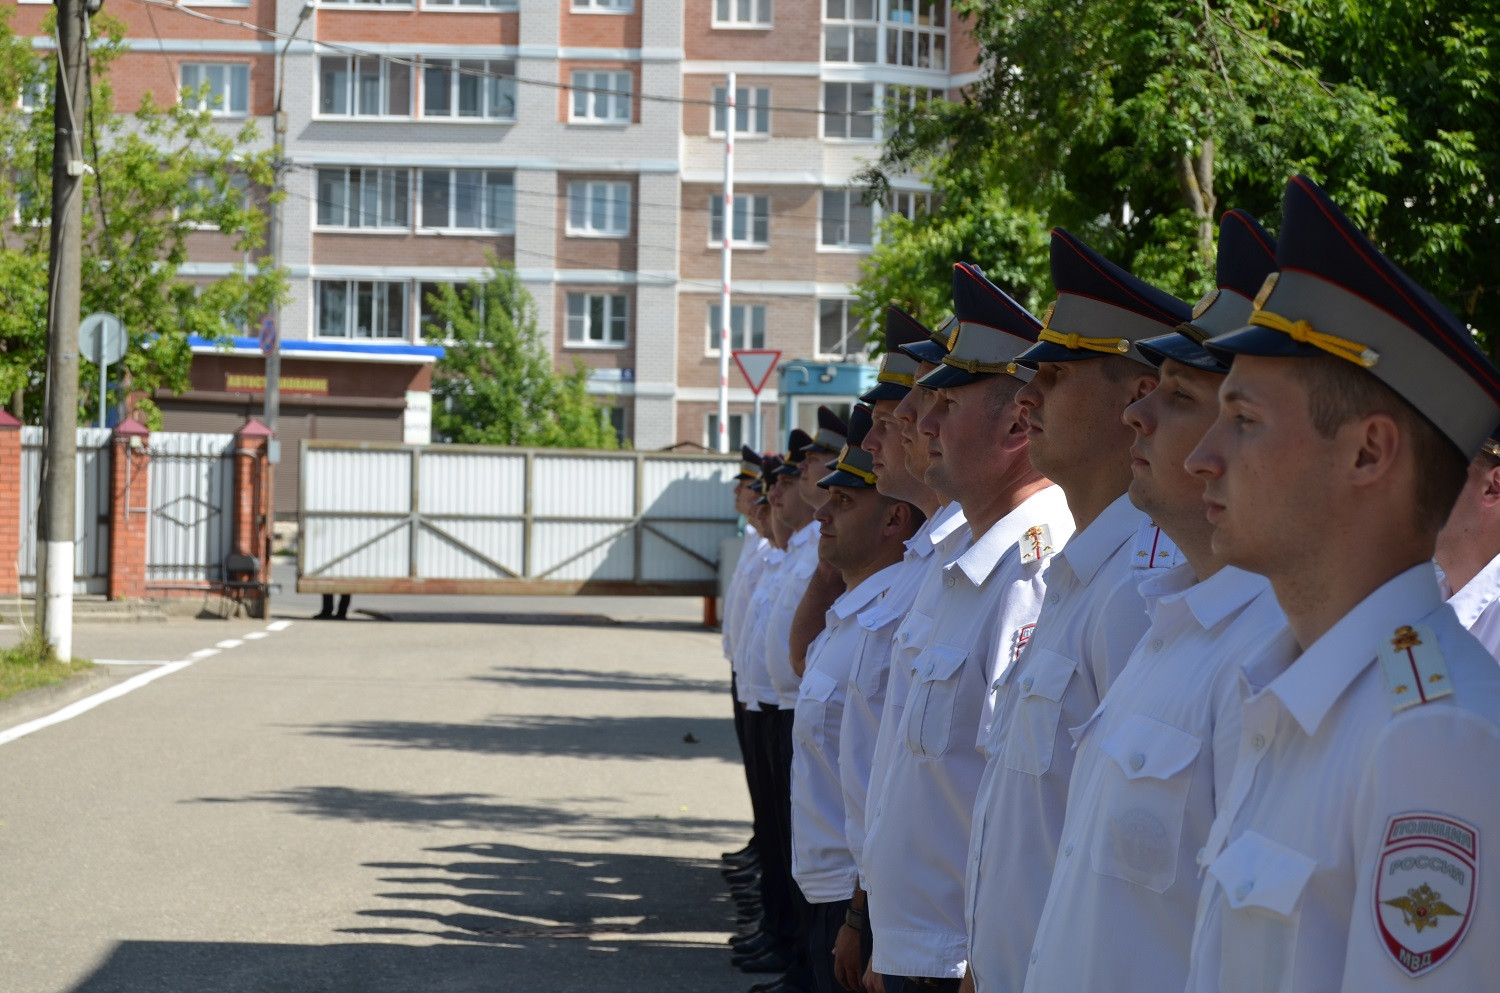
pixel 458 803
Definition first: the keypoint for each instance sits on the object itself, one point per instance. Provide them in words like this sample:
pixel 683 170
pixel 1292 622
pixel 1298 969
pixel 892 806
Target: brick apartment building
pixel 575 138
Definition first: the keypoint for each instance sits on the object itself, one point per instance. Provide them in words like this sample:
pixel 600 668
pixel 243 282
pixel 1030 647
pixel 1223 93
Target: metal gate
pixel 191 528
pixel 91 508
pixel 388 518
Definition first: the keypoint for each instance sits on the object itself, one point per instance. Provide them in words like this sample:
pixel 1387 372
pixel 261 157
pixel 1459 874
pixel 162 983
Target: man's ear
pixel 1377 441
pixel 1490 495
pixel 1144 384
pixel 897 518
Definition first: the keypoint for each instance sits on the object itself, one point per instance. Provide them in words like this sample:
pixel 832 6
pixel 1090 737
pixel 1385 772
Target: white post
pixel 759 434
pixel 728 236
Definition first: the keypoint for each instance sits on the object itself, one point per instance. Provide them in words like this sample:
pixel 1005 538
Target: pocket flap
pixel 1046 676
pixel 1258 872
pixel 1148 749
pixel 877 617
pixel 818 685
pixel 938 662
pixel 913 630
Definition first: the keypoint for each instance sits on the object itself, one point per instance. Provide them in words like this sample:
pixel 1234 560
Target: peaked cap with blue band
pixel 796 445
pixel 992 331
pixel 935 346
pixel 1100 308
pixel 749 463
pixel 898 371
pixel 854 467
pixel 1336 294
pixel 769 463
pixel 1247 255
pixel 832 432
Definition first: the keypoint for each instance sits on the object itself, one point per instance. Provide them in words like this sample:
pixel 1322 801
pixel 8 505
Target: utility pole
pixel 64 293
pixel 725 264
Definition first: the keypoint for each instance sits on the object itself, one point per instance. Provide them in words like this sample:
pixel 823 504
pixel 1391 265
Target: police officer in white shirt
pixel 1468 549
pixel 1351 849
pixel 863 536
pixel 1088 372
pixel 990 593
pixel 1158 750
pixel 736 597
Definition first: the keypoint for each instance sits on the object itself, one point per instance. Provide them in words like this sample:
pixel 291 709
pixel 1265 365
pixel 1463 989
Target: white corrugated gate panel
pixel 583 486
pixel 554 543
pixel 326 539
pixel 355 480
pixel 191 527
pixel 688 488
pixel 661 560
pixel 91 503
pixel 472 483
pixel 439 557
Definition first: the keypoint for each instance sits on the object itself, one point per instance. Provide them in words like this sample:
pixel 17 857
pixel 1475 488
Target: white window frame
pixel 384 4
pixel 910 204
pixel 851 200
pixel 33 97
pixel 850 27
pixel 238 180
pixel 746 335
pixel 847 334
pixel 494 88
pixel 352 288
pixel 847 115
pixel 586 193
pixel 221 104
pixel 492 219
pixel 468 5
pixel 615 332
pixel 752 109
pixel 758 19
pixel 600 88
pixel 353 64
pixel 394 184
pixel 603 6
pixel 892 24
pixel 752 211
pixel 739 424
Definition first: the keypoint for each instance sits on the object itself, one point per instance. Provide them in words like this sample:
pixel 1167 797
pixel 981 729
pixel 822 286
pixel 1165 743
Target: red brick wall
pixel 601 30
pixel 786 92
pixel 564 355
pixel 592 252
pixel 400 248
pixel 10 502
pixel 793 233
pixel 430 25
pixel 565 93
pixel 796 34
pixel 129 511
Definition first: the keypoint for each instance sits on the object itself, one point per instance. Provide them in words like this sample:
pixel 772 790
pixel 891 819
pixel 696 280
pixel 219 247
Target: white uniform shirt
pixel 737 593
pixel 866 693
pixel 914 851
pixel 1478 606
pixel 802 562
pixel 1092 620
pixel 1151 762
pixel 1353 848
pixel 753 679
pixel 822 864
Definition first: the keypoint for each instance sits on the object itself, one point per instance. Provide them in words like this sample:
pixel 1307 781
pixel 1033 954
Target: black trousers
pixel 762 730
pixel 738 710
pixel 801 909
pixel 827 918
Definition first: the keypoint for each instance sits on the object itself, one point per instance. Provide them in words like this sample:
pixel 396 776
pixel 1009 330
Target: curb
pixel 30 704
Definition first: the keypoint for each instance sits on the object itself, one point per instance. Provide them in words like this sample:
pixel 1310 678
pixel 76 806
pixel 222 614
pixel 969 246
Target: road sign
pixel 757 365
pixel 101 339
pixel 267 336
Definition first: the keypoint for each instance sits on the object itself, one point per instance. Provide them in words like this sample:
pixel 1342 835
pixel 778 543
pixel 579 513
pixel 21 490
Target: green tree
pixel 496 384
pixel 1133 124
pixel 158 176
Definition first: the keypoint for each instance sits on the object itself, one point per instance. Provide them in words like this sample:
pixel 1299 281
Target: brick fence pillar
pixel 129 510
pixel 252 494
pixel 10 504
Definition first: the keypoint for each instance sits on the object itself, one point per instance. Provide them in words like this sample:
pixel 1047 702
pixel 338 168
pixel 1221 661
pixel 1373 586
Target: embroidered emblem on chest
pixel 1425 888
pixel 1414 669
pixel 1036 543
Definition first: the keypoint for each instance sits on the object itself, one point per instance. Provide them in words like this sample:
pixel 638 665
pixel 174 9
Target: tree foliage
pixel 1135 125
pixel 160 175
pixel 496 384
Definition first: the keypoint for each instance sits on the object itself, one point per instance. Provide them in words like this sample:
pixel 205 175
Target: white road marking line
pixel 89 703
pixel 132 662
pixel 203 653
pixel 256 635
pixel 230 643
pixel 278 625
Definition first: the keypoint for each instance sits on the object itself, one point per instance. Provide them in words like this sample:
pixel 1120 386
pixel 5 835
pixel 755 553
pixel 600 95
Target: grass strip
pixel 32 664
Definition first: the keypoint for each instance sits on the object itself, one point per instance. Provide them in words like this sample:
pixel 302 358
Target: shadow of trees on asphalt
pixel 479 811
pixel 640 737
pixel 589 679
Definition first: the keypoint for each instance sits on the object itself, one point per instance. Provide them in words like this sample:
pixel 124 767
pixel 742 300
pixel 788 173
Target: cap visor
pixel 841 478
pixel 1256 340
pixel 815 447
pixel 945 376
pixel 1050 351
pixel 884 391
pixel 786 470
pixel 927 351
pixel 1179 349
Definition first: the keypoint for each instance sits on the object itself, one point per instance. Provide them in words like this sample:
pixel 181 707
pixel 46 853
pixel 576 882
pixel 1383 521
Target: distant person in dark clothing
pixel 327 613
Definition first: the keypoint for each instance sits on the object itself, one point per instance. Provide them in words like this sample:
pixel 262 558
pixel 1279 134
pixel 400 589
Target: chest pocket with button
pixel 872 667
pixel 1144 796
pixel 910 639
pixel 932 699
pixel 811 719
pixel 1262 882
pixel 1031 731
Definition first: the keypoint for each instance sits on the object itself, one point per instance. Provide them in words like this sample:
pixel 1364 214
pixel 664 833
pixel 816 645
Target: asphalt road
pixel 471 796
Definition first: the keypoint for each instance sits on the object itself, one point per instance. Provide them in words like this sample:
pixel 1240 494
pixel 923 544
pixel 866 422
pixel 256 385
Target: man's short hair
pixel 1339 392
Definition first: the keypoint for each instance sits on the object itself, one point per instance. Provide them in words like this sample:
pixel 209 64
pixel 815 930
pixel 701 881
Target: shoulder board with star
pixel 1153 549
pixel 1414 668
pixel 1036 543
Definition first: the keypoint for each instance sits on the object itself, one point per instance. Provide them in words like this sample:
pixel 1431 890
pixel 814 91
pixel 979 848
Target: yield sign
pixel 756 364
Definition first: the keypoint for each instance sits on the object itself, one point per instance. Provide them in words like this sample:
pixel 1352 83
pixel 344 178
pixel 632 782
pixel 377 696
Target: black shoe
pixel 322 617
pixel 742 876
pixel 772 960
pixel 781 984
pixel 741 868
pixel 754 945
pixel 742 853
